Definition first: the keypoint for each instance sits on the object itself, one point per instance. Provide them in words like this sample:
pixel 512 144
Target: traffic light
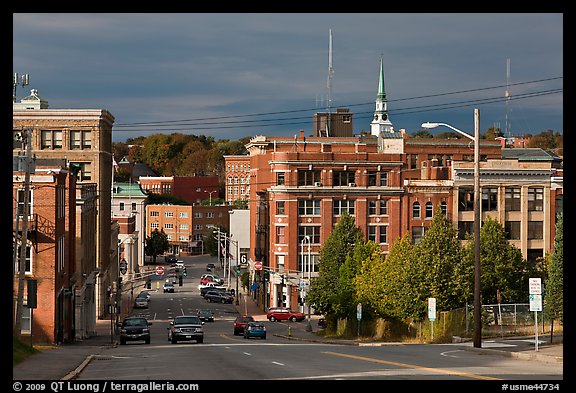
pixel 266 276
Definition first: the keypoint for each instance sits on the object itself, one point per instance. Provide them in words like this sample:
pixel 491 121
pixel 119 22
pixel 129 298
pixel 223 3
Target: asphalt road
pixel 224 356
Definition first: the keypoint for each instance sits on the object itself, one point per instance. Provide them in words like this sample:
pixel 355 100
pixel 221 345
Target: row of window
pixel 236 180
pixel 77 140
pixel 238 168
pixel 512 198
pixel 234 190
pixel 168 214
pixel 339 178
pixel 512 229
pixel 376 233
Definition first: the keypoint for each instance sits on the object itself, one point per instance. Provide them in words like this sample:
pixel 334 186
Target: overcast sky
pixel 236 75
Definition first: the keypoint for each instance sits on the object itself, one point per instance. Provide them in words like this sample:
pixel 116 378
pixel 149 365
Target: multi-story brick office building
pixel 392 185
pixel 83 137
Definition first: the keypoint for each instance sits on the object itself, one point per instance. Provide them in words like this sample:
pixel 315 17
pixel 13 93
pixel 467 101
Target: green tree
pixel 324 289
pixel 501 265
pixel 554 284
pixel 440 258
pixel 422 134
pixel 156 244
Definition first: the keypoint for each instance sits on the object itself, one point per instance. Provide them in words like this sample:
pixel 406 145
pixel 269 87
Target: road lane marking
pixel 278 363
pixel 413 366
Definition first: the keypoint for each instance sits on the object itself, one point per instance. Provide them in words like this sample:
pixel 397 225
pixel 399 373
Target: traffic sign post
pixel 535 289
pixel 258 265
pixel 432 314
pixel 359 316
pixel 160 270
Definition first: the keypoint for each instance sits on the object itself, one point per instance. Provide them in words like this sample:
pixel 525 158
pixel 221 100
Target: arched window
pixel 429 209
pixel 416 210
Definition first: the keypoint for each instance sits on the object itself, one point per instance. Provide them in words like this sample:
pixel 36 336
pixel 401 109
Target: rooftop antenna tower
pixel 330 74
pixel 23 80
pixel 507 95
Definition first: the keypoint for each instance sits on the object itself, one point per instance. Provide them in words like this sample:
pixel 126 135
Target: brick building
pixel 50 253
pixel 83 138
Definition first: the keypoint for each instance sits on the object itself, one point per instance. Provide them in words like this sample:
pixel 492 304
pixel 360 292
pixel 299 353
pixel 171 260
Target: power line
pixel 220 119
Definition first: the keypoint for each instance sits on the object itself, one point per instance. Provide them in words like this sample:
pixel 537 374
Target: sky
pixel 235 75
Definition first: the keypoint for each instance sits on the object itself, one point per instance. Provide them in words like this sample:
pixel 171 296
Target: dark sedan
pixel 206 315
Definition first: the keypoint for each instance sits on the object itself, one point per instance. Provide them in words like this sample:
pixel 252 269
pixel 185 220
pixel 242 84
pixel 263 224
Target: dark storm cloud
pixel 165 67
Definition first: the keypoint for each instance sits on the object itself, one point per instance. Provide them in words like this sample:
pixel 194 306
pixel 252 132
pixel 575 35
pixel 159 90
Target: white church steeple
pixel 381 123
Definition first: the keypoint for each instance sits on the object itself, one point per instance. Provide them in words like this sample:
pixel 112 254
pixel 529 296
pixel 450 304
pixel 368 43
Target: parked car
pixel 284 314
pixel 134 329
pixel 186 328
pixel 218 297
pixel 168 286
pixel 255 329
pixel 210 267
pixel 206 278
pixel 206 315
pixel 240 322
pixel 145 294
pixel 140 302
pixel 208 287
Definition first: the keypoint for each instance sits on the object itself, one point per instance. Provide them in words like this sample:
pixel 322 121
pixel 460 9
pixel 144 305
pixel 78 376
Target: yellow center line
pixel 435 370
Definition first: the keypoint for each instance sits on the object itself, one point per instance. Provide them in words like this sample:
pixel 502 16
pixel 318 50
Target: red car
pixel 240 322
pixel 284 314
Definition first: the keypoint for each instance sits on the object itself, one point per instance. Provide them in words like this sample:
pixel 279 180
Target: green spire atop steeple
pixel 381 91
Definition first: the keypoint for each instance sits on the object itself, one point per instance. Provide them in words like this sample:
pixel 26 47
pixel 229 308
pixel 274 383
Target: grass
pixel 20 351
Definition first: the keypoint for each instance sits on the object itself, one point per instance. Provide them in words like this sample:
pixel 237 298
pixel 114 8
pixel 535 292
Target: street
pixel 224 356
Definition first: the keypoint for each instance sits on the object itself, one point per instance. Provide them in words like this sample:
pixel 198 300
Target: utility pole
pixel 17 329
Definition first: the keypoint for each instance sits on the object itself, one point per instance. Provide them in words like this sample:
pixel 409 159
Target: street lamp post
pixel 210 192
pixel 477 339
pixel 309 269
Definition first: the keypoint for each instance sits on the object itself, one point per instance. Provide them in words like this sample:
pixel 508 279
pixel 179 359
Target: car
pixel 284 314
pixel 211 287
pixel 140 302
pixel 218 297
pixel 170 258
pixel 134 329
pixel 172 277
pixel 145 294
pixel 240 322
pixel 210 267
pixel 180 264
pixel 206 278
pixel 206 315
pixel 168 286
pixel 255 329
pixel 186 328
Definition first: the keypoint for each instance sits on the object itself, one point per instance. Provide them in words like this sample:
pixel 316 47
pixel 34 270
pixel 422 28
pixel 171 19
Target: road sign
pixel 359 311
pixel 243 259
pixel 258 265
pixel 431 308
pixel 535 286
pixel 535 302
pixel 160 270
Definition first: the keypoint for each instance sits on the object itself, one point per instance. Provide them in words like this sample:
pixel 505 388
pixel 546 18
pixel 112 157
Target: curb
pixel 526 355
pixel 78 370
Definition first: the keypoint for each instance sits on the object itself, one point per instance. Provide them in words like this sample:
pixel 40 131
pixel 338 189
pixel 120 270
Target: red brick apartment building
pixel 300 187
pixel 50 254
